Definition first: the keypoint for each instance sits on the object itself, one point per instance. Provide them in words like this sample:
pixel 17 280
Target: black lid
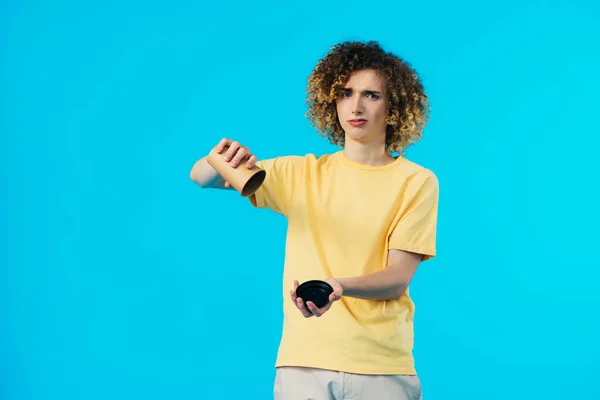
pixel 316 291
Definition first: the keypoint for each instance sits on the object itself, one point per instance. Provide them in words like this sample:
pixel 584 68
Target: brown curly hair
pixel 408 105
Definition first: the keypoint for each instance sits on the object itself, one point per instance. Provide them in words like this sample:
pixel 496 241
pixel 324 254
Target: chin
pixel 356 134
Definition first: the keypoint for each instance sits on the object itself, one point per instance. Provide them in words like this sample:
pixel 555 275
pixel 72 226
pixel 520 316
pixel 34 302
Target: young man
pixel 361 219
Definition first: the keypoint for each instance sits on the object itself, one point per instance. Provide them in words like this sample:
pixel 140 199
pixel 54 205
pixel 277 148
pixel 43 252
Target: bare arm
pixel 205 176
pixel 390 283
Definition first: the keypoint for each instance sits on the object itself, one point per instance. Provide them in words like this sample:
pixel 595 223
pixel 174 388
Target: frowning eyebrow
pixel 363 92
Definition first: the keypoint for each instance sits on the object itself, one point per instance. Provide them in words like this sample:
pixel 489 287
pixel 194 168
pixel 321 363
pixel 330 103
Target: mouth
pixel 357 122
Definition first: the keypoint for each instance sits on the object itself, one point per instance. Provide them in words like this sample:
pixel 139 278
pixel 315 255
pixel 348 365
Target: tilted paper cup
pixel 246 181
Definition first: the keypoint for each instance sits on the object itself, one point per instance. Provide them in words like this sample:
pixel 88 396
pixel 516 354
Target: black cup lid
pixel 316 291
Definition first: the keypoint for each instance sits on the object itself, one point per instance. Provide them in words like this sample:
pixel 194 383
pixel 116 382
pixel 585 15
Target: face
pixel 362 107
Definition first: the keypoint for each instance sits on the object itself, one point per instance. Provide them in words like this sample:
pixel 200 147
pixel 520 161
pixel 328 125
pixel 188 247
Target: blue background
pixel 121 279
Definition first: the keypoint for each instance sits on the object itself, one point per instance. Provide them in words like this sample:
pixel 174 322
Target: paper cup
pixel 246 181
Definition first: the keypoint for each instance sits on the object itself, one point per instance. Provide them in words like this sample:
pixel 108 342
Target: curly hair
pixel 408 106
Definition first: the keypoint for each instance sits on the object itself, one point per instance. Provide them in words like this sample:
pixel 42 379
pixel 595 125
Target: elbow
pixel 196 177
pixel 399 291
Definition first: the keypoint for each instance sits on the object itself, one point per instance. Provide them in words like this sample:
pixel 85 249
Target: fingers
pixel 313 309
pixel 233 148
pixel 293 292
pixel 239 156
pixel 316 311
pixel 302 307
pixel 251 161
pixel 222 144
pixel 236 153
pixel 333 297
pixel 299 302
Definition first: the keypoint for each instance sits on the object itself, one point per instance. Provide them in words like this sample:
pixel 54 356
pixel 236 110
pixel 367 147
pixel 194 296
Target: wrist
pixel 345 285
pixel 337 287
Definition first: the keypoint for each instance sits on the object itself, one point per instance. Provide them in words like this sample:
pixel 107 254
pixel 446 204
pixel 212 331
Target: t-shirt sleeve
pixel 415 230
pixel 277 191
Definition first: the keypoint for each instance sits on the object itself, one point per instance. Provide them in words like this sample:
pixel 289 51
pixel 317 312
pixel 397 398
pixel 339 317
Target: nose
pixel 357 106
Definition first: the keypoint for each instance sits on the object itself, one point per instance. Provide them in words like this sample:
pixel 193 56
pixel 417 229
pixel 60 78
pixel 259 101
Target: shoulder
pixel 415 168
pixel 419 175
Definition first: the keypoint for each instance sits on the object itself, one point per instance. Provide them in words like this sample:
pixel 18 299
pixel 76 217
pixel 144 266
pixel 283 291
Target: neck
pixel 369 153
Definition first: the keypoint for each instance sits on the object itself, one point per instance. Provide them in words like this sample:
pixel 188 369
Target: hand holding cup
pixel 227 156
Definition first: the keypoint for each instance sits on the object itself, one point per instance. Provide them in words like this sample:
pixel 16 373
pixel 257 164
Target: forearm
pixel 205 176
pixel 387 284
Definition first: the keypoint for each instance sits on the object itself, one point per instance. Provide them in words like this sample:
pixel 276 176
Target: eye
pixel 346 93
pixel 373 96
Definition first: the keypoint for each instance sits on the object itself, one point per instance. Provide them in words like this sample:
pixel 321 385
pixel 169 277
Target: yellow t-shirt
pixel 343 217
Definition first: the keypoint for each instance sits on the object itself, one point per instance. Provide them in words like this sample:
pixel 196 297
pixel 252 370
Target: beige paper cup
pixel 245 181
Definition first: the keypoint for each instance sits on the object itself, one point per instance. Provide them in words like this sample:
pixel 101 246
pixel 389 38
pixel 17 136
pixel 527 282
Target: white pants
pixel 298 383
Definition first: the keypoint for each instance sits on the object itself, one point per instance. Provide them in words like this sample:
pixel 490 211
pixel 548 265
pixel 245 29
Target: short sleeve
pixel 277 190
pixel 415 229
